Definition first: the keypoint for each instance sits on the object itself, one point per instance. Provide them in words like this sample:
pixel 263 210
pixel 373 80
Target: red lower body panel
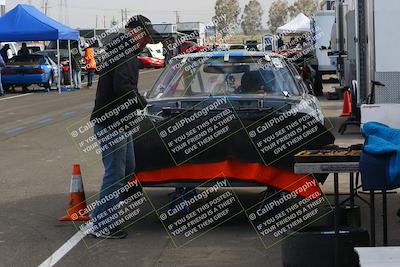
pixel 263 174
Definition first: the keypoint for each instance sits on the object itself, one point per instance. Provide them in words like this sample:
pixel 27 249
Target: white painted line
pixel 63 250
pixel 149 71
pixel 15 96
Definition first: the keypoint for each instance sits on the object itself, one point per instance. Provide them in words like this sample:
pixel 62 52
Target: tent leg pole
pixel 59 70
pixel 70 63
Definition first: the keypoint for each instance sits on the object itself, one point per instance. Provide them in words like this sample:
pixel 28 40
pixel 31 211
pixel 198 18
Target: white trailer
pixel 270 43
pixel 384 25
pixel 323 23
pixel 376 48
pixel 195 30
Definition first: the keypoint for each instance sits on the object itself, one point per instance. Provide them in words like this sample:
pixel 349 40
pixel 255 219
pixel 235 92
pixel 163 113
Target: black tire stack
pixel 314 246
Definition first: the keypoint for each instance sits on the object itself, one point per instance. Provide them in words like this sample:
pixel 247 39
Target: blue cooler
pixel 375 172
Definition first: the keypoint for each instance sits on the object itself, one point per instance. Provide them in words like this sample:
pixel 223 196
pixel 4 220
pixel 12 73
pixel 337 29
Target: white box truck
pixel 323 23
pixel 269 43
pixel 384 22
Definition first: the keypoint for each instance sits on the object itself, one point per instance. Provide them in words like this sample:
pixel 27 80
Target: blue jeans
pixel 76 76
pixel 90 73
pixel 119 166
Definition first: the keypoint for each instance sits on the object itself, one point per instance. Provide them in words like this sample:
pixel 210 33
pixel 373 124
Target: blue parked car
pixel 27 70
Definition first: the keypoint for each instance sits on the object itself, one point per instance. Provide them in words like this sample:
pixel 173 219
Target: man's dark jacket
pixel 117 86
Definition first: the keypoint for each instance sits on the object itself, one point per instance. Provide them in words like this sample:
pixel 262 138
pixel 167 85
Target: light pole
pixel 2 7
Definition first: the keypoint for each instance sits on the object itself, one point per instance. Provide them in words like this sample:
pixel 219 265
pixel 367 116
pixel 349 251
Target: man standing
pixel 2 65
pixel 90 65
pixel 117 98
pixel 4 52
pixel 24 51
pixel 76 66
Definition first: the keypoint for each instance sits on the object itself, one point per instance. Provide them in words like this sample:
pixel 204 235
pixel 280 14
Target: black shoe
pixel 116 234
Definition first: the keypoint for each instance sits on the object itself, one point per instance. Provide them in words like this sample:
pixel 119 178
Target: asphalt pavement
pixel 35 168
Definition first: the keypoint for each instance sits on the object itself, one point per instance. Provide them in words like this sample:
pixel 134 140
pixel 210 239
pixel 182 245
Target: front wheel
pixel 6 88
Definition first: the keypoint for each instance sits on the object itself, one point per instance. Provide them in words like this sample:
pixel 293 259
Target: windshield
pixel 200 76
pixel 145 53
pixel 237 47
pixel 27 60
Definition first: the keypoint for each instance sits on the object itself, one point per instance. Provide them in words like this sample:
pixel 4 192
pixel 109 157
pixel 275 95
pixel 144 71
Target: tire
pixel 6 88
pixel 315 248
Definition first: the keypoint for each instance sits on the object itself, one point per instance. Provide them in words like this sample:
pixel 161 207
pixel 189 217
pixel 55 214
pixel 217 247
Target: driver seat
pixel 251 82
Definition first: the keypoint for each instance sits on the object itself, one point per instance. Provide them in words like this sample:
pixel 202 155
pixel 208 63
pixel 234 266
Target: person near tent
pixel 118 87
pixel 4 52
pixel 292 43
pixel 318 82
pixel 2 65
pixel 280 43
pixel 24 51
pixel 90 64
pixel 76 59
pixel 167 54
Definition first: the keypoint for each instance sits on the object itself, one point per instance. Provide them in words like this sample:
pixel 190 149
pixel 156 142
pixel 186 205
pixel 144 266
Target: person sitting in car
pixel 24 51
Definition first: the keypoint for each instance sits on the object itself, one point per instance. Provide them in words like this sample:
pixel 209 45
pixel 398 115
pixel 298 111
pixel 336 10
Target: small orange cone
pixel 346 104
pixel 77 210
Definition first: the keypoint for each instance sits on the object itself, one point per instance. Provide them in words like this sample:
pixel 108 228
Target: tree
pixel 307 7
pixel 226 15
pixel 278 14
pixel 251 18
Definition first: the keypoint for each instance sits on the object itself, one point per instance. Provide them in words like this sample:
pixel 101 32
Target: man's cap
pixel 145 23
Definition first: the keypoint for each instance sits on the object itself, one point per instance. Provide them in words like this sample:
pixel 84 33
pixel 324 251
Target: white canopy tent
pixel 301 23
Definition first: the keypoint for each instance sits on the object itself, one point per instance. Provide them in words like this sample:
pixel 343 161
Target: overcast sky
pixel 83 14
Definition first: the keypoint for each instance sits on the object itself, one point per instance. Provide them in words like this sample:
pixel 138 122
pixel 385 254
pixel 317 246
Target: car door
pixel 54 69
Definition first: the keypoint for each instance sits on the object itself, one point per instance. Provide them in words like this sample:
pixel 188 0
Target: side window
pixel 302 87
pixel 190 84
pixel 178 85
pixel 196 84
pixel 179 88
pixel 43 61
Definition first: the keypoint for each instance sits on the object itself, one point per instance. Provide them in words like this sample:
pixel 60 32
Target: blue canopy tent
pixel 26 23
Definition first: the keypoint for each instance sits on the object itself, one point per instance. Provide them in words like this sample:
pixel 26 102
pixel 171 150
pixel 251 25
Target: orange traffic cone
pixel 346 104
pixel 77 210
